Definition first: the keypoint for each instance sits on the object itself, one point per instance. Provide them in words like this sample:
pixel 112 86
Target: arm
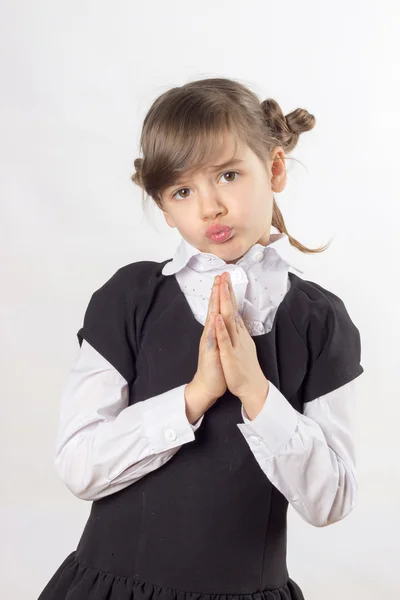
pixel 104 445
pixel 310 457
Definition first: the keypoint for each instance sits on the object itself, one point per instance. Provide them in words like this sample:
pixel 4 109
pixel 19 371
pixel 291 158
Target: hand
pixel 209 378
pixel 243 373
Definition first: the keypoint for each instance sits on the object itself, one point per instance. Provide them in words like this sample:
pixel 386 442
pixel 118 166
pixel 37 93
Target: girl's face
pixel 238 195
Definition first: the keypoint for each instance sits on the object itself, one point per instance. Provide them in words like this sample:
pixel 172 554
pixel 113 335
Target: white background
pixel 77 79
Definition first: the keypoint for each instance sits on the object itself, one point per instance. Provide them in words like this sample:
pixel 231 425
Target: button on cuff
pixel 165 423
pixel 274 426
pixel 170 434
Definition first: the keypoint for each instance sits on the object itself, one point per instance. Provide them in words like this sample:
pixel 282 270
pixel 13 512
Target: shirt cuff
pixel 274 426
pixel 165 422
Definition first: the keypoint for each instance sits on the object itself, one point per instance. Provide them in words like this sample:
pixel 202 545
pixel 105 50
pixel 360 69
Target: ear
pixel 278 170
pixel 168 218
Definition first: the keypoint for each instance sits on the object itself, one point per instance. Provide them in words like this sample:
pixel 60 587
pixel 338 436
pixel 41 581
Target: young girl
pixel 214 388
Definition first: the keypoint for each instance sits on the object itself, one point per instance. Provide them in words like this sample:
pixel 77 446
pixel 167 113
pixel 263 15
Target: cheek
pixel 189 224
pixel 254 206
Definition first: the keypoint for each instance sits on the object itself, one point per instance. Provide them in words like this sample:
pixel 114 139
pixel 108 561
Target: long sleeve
pixel 310 457
pixel 104 445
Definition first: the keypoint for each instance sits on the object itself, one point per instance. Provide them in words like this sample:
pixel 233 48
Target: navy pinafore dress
pixel 208 523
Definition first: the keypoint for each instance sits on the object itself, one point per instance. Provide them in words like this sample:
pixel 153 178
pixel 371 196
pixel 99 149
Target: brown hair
pixel 183 124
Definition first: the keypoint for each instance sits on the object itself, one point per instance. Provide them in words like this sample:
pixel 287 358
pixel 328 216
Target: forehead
pixel 226 148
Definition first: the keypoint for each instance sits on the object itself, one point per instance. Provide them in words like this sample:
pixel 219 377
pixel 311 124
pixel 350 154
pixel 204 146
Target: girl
pixel 214 388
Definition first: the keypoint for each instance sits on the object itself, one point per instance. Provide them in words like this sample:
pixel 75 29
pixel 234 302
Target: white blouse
pixel 103 445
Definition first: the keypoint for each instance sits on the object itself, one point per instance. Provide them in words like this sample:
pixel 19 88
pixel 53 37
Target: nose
pixel 210 204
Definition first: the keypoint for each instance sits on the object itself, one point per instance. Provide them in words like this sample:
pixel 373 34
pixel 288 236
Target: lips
pixel 214 229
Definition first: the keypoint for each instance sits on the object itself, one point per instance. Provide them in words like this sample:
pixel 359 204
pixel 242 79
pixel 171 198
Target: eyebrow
pixel 235 161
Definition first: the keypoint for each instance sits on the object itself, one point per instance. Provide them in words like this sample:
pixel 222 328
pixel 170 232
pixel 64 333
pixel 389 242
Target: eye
pixel 176 193
pixel 235 172
pixel 223 174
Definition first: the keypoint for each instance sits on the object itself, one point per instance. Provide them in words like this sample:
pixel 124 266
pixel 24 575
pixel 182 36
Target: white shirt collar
pixel 279 244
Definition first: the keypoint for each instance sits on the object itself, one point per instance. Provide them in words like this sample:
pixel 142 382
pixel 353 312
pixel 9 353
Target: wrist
pixel 195 401
pixel 254 400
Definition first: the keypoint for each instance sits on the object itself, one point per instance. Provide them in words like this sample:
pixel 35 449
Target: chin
pixel 231 255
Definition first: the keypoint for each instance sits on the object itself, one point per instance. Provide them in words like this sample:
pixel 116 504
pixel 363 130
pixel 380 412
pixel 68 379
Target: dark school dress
pixel 208 522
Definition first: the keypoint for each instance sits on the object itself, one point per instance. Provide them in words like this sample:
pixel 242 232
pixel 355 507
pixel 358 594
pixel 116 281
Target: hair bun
pixel 286 130
pixel 137 177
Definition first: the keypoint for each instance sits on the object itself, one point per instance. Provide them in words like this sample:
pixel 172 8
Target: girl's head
pixel 213 154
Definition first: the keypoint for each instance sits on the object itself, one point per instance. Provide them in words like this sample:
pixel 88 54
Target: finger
pixel 211 336
pixel 223 337
pixel 232 294
pixel 238 319
pixel 212 303
pixel 227 311
pixel 209 328
pixel 217 304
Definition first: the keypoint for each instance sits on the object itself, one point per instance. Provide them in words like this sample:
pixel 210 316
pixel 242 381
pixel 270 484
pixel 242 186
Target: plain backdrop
pixel 77 79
